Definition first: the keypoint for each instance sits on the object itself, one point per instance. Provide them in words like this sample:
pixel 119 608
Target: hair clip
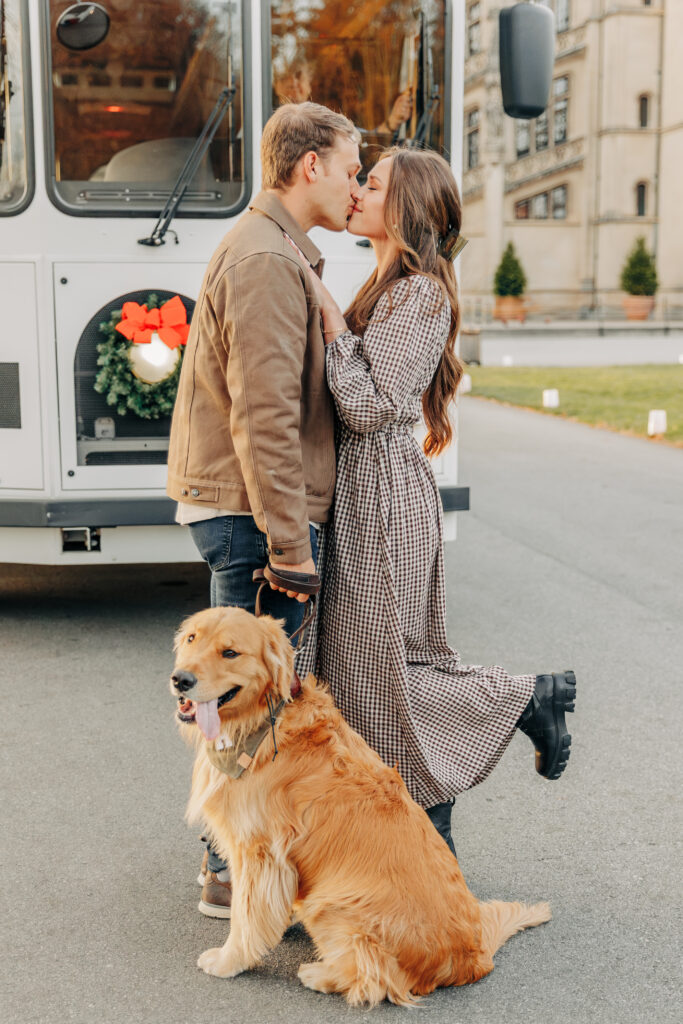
pixel 451 245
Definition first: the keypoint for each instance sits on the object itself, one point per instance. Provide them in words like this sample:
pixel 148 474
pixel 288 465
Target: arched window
pixel 641 198
pixel 643 110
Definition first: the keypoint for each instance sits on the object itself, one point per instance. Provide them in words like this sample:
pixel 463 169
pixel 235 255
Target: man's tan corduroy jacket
pixel 253 425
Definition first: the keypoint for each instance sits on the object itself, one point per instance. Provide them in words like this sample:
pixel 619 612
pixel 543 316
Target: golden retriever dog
pixel 318 825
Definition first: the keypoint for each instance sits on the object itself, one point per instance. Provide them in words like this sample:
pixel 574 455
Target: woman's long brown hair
pixel 422 205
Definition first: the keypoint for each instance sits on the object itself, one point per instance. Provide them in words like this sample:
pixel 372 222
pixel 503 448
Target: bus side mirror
pixel 82 26
pixel 527 54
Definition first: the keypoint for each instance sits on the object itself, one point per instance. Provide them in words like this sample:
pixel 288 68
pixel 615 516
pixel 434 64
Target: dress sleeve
pixel 371 378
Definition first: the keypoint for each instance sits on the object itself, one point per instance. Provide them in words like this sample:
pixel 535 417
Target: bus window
pixel 15 168
pixel 382 63
pixel 126 111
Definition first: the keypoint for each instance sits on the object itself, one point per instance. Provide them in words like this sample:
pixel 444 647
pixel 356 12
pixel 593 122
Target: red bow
pixel 169 321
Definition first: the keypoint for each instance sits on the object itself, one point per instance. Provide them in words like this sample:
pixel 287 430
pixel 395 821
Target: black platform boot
pixel 543 721
pixel 440 817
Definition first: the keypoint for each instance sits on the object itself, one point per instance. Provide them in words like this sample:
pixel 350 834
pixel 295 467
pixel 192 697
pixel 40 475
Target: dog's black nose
pixel 183 680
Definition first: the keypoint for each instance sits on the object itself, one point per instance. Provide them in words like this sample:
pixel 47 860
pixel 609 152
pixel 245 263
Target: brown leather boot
pixel 201 877
pixel 216 898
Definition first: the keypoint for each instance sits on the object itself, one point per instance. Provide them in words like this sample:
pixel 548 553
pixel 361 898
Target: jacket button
pixel 195 492
pixel 278 551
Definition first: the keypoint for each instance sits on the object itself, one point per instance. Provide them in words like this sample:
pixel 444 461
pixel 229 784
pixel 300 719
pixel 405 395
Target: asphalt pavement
pixel 571 556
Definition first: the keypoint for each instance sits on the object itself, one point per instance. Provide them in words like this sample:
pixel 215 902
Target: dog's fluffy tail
pixel 500 921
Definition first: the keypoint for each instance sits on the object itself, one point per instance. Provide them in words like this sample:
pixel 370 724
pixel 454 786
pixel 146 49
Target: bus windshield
pixel 14 179
pixel 380 62
pixel 128 108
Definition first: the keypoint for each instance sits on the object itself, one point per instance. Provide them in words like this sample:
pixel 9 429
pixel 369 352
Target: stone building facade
pixel 575 187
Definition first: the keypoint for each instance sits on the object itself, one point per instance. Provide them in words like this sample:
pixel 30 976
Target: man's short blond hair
pixel 295 129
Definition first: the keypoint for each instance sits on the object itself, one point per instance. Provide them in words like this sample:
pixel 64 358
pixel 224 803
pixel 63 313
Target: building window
pixel 561 15
pixel 558 200
pixel 561 9
pixel 472 139
pixel 641 198
pixel 535 136
pixel 539 206
pixel 560 109
pixel 541 131
pixel 643 111
pixel 473 29
pixel 545 205
pixel 522 138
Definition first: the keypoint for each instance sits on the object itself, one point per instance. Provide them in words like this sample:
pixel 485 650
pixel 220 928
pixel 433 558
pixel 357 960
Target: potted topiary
pixel 639 281
pixel 508 287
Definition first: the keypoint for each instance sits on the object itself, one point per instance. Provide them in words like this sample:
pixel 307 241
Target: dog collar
pixel 234 761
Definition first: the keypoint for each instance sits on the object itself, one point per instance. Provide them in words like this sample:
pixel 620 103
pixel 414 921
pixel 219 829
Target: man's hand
pixel 308 566
pixel 402 109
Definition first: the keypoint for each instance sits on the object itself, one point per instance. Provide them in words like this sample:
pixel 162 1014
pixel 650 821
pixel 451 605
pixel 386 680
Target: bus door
pixel 21 462
pixel 387 64
pixel 125 112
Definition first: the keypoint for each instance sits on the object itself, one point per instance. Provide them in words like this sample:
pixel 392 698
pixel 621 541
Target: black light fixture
pixel 527 55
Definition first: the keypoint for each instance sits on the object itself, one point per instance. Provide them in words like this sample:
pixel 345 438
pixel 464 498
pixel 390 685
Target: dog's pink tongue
pixel 207 718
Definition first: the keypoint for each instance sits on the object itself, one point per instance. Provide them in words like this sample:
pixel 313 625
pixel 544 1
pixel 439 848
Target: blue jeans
pixel 233 547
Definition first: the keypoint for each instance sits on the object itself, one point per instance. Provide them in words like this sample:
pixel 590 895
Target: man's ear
pixel 278 656
pixel 310 165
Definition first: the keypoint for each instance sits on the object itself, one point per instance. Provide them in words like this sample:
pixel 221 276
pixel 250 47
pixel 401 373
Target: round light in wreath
pixel 153 361
pixel 140 357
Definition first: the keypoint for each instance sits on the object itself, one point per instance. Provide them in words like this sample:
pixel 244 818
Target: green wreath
pixel 117 382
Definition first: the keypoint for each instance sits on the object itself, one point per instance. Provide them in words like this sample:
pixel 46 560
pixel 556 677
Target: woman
pixel 380 638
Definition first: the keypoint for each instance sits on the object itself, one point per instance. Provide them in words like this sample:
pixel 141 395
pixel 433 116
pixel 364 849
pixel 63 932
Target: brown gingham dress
pixel 379 638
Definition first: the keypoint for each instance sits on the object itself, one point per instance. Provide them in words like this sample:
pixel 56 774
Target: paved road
pixel 568 557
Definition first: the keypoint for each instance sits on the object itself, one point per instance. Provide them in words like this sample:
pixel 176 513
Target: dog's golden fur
pixel 328 831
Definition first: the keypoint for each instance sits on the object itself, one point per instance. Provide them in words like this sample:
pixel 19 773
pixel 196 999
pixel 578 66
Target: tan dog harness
pixel 233 761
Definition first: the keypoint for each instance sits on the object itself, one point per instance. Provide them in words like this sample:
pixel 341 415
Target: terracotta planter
pixel 509 307
pixel 638 307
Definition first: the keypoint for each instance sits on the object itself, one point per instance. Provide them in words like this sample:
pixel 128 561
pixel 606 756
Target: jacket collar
pixel 268 203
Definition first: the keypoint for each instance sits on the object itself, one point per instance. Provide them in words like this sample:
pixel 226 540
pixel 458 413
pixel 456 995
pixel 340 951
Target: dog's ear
pixel 278 656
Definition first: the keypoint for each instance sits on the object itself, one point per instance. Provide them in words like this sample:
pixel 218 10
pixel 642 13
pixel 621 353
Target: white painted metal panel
pixel 81 289
pixel 42 545
pixel 21 454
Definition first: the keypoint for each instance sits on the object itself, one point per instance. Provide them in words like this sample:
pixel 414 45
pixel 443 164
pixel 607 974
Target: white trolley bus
pixel 100 109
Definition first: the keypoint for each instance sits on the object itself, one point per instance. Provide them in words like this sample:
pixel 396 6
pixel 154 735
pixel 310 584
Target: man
pixel 251 457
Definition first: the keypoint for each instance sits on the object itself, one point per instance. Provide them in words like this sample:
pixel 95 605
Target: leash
pixel 298 582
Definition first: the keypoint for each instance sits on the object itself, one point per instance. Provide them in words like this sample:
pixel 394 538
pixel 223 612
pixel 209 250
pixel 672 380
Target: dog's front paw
pixel 215 961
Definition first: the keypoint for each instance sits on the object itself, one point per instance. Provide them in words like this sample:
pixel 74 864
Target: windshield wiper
pixel 195 157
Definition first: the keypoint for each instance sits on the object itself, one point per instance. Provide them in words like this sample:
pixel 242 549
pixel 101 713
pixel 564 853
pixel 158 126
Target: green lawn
pixel 615 397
